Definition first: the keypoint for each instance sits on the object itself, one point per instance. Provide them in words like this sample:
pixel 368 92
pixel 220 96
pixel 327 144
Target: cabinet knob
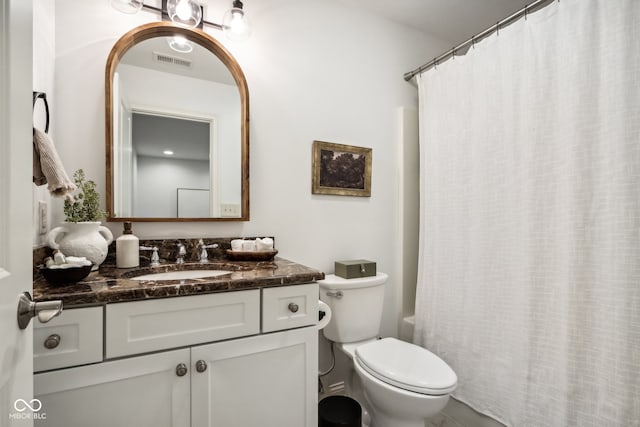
pixel 52 341
pixel 201 366
pixel 181 370
pixel 293 307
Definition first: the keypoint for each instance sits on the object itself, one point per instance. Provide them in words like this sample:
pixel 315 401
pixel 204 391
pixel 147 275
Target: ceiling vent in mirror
pixel 171 60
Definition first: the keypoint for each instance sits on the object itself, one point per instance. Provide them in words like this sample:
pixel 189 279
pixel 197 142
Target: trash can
pixel 339 411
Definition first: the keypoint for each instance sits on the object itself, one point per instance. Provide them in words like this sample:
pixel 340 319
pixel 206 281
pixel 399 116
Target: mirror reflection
pixel 177 134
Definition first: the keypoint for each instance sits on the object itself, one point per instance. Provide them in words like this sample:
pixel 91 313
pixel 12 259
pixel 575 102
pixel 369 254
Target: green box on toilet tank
pixel 352 269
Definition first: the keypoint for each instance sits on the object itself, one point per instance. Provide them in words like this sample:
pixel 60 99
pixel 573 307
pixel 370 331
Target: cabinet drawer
pixel 144 326
pixel 73 338
pixel 289 307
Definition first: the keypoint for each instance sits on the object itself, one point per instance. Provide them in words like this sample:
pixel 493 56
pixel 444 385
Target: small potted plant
pixel 85 206
pixel 82 234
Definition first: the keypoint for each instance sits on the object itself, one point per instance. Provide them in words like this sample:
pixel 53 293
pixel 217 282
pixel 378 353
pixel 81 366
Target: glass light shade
pixel 235 24
pixel 127 6
pixel 185 12
pixel 180 44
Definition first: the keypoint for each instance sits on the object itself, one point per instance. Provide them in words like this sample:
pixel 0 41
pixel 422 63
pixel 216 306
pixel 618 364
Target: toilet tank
pixel 356 306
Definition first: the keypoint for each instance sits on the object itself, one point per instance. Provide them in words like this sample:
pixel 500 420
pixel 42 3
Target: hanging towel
pixel 48 168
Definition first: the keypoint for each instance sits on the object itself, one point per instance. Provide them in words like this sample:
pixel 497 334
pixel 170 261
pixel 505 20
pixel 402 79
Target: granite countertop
pixel 112 285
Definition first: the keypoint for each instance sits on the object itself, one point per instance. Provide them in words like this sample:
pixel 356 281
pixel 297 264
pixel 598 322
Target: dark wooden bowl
pixel 61 276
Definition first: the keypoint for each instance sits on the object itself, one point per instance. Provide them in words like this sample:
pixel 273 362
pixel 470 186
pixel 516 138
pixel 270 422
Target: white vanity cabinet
pixel 137 391
pixel 207 361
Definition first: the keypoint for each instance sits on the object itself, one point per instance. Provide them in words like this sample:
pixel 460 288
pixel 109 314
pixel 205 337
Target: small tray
pixel 251 255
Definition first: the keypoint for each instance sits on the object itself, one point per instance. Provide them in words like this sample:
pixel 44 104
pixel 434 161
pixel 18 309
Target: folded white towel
pixel 264 244
pixel 48 168
pixel 78 260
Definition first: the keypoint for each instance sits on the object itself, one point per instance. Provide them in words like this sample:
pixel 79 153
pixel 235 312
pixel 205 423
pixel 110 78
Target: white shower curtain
pixel 529 275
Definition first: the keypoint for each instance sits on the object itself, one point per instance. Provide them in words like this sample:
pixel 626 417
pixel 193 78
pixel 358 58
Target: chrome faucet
pixel 155 259
pixel 181 253
pixel 204 256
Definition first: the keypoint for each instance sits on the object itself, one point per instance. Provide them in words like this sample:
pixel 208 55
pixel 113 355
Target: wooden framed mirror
pixel 177 128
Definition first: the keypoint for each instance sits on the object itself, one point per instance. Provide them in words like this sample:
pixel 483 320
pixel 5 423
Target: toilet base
pixel 394 407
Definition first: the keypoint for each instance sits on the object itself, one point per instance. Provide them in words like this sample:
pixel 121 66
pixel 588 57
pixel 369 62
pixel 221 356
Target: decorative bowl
pixel 60 276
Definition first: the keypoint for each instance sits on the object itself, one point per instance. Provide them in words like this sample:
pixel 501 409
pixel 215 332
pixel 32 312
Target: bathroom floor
pixel 440 420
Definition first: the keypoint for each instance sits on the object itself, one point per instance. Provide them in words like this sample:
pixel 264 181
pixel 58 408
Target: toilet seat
pixel 406 366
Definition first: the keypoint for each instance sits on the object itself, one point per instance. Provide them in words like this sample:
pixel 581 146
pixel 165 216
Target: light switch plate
pixel 230 210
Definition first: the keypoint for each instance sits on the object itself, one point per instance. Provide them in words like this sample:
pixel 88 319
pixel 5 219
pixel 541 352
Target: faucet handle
pixel 204 255
pixel 181 249
pixel 203 246
pixel 155 259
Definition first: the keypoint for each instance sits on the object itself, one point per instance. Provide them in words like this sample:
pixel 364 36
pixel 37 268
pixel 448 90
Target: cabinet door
pixel 267 380
pixel 140 391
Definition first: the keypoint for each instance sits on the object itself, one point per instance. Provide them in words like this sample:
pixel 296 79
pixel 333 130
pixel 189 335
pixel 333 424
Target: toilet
pixel 403 384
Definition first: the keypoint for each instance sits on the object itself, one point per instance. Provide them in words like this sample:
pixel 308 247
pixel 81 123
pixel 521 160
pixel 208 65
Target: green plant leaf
pixel 86 204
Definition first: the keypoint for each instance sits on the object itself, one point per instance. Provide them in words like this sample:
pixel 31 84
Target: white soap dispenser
pixel 127 248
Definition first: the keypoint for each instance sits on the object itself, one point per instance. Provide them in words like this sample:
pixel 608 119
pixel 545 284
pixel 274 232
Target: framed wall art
pixel 342 170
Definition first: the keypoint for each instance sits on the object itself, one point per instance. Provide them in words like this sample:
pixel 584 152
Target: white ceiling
pixel 204 65
pixel 450 20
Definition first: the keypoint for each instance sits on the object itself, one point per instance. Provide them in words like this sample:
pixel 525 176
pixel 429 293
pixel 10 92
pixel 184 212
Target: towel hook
pixel 43 96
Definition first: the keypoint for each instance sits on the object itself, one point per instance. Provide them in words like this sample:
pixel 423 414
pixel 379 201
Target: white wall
pixel 43 81
pixel 153 200
pixel 316 70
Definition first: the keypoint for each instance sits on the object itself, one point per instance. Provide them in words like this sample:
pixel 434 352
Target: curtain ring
pixel 526 12
pixel 435 63
pixel 497 28
pixel 453 53
pixel 473 42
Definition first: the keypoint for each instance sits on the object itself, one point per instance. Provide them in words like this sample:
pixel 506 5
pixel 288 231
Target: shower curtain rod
pixel 496 27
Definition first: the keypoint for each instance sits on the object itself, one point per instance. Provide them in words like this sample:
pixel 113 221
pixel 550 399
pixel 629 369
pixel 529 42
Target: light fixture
pixel 167 153
pixel 235 24
pixel 127 6
pixel 189 13
pixel 185 12
pixel 180 44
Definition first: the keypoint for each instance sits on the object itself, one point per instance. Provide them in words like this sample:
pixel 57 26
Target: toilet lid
pixel 407 366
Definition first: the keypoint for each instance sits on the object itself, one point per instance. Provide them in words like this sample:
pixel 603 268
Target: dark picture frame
pixel 341 170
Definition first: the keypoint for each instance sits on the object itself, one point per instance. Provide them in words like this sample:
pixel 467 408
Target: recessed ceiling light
pixel 180 44
pixel 167 153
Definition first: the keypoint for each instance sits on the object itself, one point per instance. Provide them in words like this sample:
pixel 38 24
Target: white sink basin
pixel 180 275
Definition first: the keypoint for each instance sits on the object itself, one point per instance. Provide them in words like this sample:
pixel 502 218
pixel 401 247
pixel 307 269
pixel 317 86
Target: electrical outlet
pixel 230 210
pixel 43 222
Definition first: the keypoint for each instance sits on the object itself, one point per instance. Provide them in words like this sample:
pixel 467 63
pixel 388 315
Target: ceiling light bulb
pixel 185 12
pixel 235 23
pixel 167 153
pixel 127 6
